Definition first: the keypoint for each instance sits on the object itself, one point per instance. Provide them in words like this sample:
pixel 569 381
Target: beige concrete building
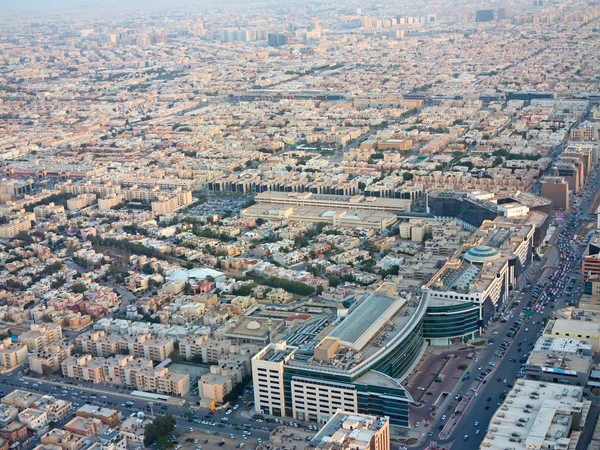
pixel 213 388
pixel 50 357
pixel 83 426
pixel 169 204
pixel 12 354
pixel 557 190
pixel 133 428
pixel 44 211
pixel 41 335
pixel 329 201
pixel 348 430
pixel 12 228
pixel 21 399
pixel 110 417
pixel 63 439
pixel 33 418
pixel 127 370
pixel 105 204
pixel 101 343
pixel 81 201
pixel 555 415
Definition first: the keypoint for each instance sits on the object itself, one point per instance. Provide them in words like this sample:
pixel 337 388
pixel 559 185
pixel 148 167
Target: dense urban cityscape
pixel 300 225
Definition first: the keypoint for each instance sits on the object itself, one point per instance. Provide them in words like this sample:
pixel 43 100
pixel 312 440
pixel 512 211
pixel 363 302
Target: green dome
pixel 481 254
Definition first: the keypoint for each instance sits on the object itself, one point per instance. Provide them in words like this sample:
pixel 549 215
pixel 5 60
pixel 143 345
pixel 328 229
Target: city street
pixel 480 408
pixel 108 397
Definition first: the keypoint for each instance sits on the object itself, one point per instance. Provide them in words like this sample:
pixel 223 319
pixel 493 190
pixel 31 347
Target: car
pixel 465 437
pixel 476 431
pixel 232 436
pixel 487 407
pixel 417 424
pixel 430 434
pixel 444 417
pixel 476 424
pixel 504 381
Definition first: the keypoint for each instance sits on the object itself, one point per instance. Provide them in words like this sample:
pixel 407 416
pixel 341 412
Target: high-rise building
pixel 278 39
pixel 557 190
pixel 484 15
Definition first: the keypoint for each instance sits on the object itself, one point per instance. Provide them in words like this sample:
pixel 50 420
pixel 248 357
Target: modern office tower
pixel 484 15
pixel 356 367
pixel 278 39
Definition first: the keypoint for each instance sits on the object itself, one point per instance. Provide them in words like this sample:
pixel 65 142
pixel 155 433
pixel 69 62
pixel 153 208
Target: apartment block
pixel 44 211
pixel 105 204
pixel 192 345
pixel 12 228
pixel 50 358
pixel 80 202
pixel 41 335
pixel 213 388
pixel 168 204
pixel 127 370
pixel 100 343
pixel 12 354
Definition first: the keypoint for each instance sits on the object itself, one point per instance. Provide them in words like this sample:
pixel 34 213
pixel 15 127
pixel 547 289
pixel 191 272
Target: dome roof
pixel 481 254
pixel 179 275
pixel 254 325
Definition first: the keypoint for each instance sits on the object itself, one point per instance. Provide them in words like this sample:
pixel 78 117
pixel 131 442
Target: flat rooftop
pixel 581 329
pixel 475 265
pixel 367 333
pixel 562 345
pixel 535 415
pixel 366 320
pixel 560 364
pixel 348 431
pixel 346 201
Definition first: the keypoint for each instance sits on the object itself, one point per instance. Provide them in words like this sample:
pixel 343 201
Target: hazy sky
pixel 16 6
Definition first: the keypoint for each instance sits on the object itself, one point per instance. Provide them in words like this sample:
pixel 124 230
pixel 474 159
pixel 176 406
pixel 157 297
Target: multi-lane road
pixel 470 428
pixel 111 397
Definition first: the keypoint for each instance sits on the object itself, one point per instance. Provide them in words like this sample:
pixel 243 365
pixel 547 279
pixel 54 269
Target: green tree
pixel 407 176
pixel 160 427
pixel 162 443
pixel 79 288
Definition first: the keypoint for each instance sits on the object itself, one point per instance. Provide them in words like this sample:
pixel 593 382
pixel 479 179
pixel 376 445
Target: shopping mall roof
pixel 366 320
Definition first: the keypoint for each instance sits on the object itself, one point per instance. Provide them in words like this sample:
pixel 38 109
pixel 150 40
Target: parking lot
pixel 224 204
pixel 288 437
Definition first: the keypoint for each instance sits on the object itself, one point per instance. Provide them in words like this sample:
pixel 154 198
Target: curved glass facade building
pixel 451 322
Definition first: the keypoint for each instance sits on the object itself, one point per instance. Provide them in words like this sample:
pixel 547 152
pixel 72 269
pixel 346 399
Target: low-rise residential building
pixel 41 335
pixel 35 419
pixel 110 417
pixel 346 430
pixel 63 439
